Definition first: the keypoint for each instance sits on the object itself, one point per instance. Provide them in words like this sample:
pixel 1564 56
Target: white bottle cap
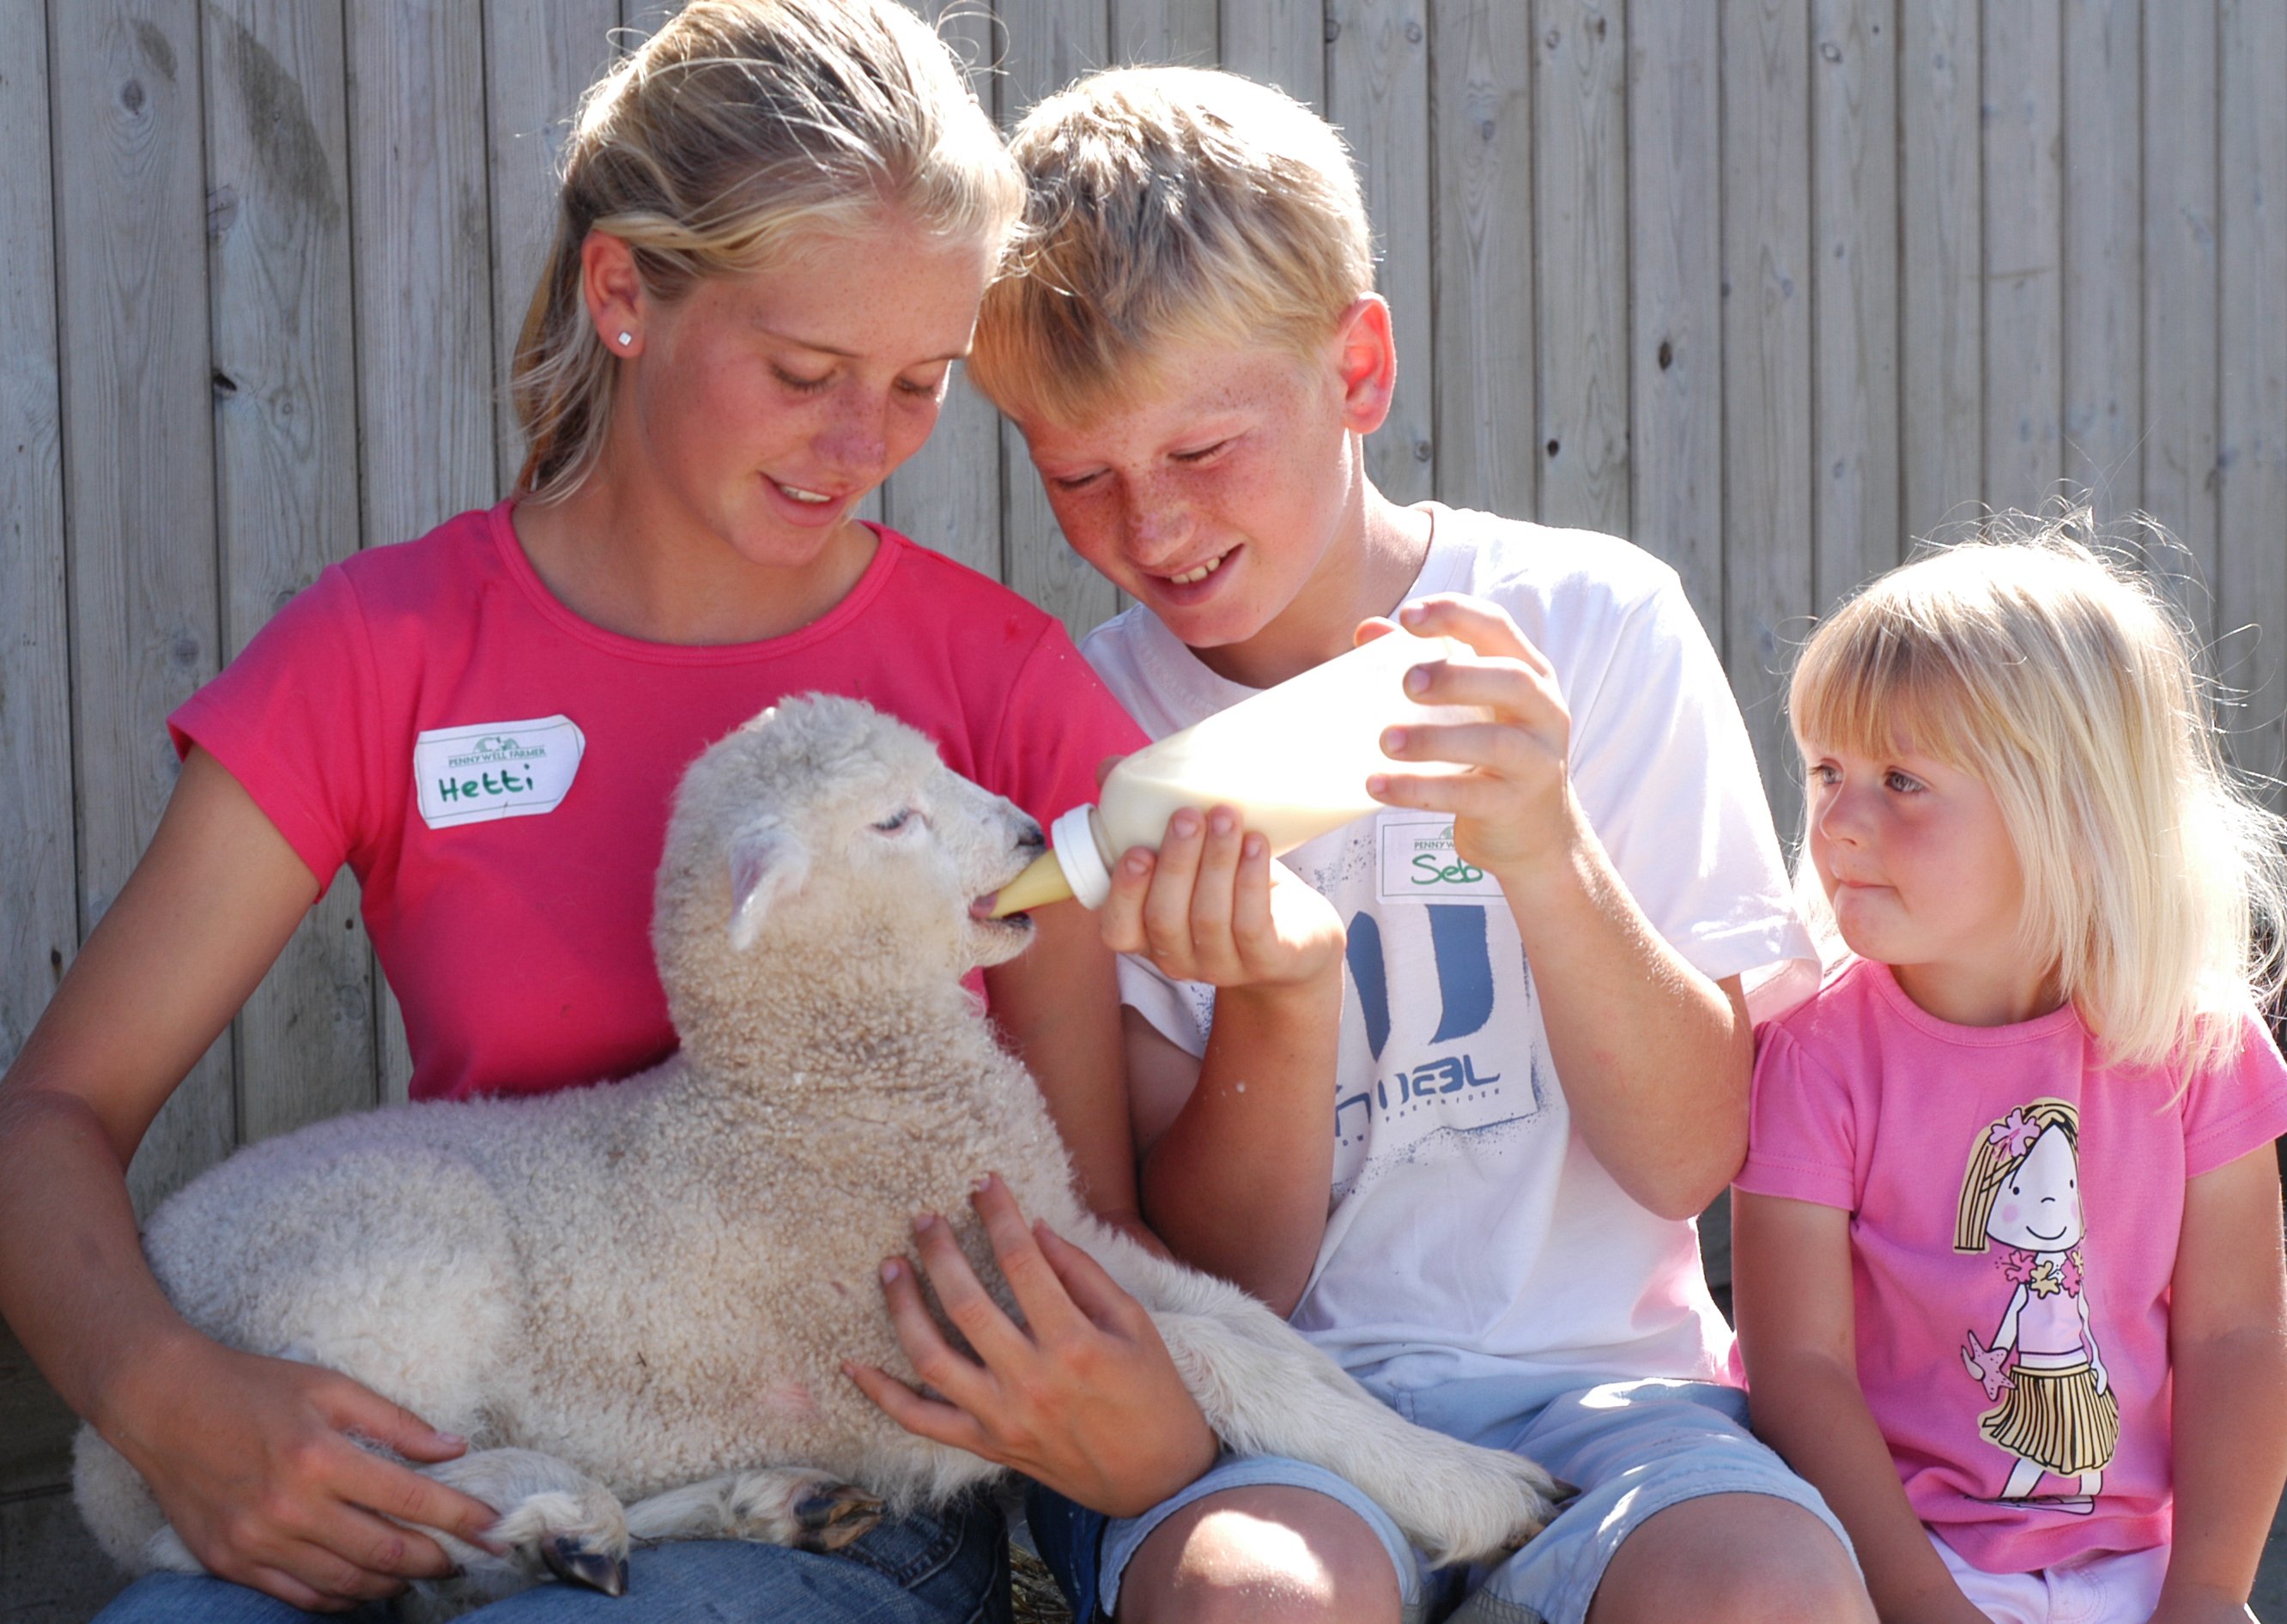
pixel 1077 854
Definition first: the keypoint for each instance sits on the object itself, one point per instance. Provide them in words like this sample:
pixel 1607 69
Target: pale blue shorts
pixel 1632 1449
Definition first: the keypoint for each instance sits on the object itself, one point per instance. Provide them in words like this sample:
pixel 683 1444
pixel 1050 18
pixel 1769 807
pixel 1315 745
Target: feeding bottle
pixel 1293 760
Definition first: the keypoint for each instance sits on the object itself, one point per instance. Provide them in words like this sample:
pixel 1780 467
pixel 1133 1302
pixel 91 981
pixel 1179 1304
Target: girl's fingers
pixel 997 1339
pixel 394 1490
pixel 1251 924
pixel 1086 1283
pixel 1465 795
pixel 929 1418
pixel 1047 1307
pixel 963 1382
pixel 278 1583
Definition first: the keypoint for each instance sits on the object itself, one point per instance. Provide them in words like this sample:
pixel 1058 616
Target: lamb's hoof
pixel 834 1515
pixel 575 1561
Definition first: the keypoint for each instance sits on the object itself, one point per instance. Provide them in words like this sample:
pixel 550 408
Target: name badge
pixel 492 770
pixel 1417 863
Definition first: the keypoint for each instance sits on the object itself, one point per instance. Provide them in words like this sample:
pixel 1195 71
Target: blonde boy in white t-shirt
pixel 1461 1140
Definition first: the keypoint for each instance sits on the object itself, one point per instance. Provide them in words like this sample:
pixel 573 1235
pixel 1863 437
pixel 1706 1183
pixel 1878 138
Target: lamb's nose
pixel 1031 839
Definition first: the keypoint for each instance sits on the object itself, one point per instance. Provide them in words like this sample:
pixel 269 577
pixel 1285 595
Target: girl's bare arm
pixel 246 1455
pixel 1793 1289
pixel 2227 1351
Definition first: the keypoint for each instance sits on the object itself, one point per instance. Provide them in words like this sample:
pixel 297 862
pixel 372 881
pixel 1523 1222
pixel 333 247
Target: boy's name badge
pixel 1416 863
pixel 491 770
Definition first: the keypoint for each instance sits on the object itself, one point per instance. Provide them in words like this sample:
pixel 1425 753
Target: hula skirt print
pixel 2056 1419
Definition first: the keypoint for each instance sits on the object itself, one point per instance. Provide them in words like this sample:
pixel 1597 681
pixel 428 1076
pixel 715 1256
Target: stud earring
pixel 626 339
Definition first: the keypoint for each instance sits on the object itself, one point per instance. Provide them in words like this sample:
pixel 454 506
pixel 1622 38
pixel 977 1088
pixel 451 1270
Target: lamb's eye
pixel 896 821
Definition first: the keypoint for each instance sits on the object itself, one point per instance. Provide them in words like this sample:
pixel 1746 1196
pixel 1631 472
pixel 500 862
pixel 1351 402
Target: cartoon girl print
pixel 2057 1412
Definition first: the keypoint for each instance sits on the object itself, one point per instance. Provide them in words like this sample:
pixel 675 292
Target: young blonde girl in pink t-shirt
pixel 2010 1281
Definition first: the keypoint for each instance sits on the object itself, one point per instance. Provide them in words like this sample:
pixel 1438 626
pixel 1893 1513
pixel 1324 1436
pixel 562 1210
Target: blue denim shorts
pixel 949 1567
pixel 1632 1448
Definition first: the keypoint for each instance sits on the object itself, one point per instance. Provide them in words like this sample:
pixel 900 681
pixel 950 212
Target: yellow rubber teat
pixel 1042 881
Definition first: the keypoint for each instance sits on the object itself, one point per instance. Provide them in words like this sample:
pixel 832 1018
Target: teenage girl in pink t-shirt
pixel 777 222
pixel 2009 1274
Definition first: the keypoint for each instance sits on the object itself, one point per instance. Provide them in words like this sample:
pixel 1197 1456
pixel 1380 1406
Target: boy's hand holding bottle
pixel 1212 905
pixel 1513 813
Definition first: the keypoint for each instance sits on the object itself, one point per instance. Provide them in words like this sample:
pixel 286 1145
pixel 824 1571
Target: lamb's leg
pixel 1265 1390
pixel 772 1505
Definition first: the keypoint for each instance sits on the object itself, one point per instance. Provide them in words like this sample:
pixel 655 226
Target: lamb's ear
pixel 767 865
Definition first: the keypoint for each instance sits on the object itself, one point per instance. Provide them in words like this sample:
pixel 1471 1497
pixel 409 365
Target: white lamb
pixel 640 1295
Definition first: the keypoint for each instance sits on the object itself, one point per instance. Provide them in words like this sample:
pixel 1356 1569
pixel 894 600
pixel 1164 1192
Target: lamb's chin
pixel 996 941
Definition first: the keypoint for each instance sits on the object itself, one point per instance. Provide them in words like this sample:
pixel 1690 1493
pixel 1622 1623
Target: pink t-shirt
pixel 497 772
pixel 2015 1205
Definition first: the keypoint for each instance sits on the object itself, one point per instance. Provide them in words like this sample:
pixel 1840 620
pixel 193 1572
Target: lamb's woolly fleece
pixel 656 1282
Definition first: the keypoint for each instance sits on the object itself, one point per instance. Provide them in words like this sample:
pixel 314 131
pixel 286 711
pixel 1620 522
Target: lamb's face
pixel 835 825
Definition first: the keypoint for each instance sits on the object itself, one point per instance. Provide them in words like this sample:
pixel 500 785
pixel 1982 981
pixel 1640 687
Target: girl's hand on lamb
pixel 1081 1397
pixel 1214 906
pixel 256 1463
pixel 1514 811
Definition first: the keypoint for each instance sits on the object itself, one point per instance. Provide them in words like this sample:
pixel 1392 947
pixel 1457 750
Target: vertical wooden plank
pixel 2025 301
pixel 1164 31
pixel 1378 91
pixel 1767 367
pixel 1480 56
pixel 2182 363
pixel 424 286
pixel 1940 264
pixel 1281 42
pixel 285 431
pixel 1675 248
pixel 2252 518
pixel 1855 292
pixel 1050 43
pixel 1580 224
pixel 138 462
pixel 2104 255
pixel 947 495
pixel 539 56
pixel 39 927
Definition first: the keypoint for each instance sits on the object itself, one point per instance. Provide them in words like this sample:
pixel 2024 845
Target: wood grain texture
pixel 423 254
pixel 2104 257
pixel 138 463
pixel 39 927
pixel 2024 240
pixel 1581 286
pixel 285 436
pixel 1676 248
pixel 539 56
pixel 1854 145
pixel 1481 81
pixel 1377 92
pixel 1180 31
pixel 1281 42
pixel 2182 360
pixel 2251 450
pixel 1941 266
pixel 1767 370
pixel 1050 43
pixel 51 1572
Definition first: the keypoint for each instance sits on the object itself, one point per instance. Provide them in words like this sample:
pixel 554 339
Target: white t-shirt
pixel 1470 1230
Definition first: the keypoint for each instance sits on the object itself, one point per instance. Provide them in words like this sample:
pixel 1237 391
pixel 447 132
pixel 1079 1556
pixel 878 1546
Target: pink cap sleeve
pixel 1059 721
pixel 287 719
pixel 2236 1108
pixel 1802 1140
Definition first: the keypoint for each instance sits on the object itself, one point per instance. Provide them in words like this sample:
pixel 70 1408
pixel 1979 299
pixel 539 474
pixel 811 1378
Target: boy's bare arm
pixel 1792 1287
pixel 1655 1056
pixel 1237 1155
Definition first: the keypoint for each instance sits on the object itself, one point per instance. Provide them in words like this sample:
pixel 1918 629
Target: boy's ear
pixel 1367 357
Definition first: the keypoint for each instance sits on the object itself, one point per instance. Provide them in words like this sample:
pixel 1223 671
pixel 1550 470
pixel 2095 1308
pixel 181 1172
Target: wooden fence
pixel 1770 285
